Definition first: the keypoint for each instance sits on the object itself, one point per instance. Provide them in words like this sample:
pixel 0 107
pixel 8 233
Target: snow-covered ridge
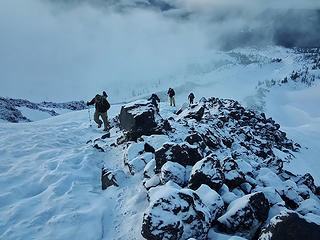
pixel 214 148
pixel 21 110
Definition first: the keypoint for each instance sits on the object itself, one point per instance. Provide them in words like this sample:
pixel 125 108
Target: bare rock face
pixel 178 214
pixel 141 118
pixel 290 225
pixel 183 154
pixel 207 171
pixel 111 178
pixel 245 215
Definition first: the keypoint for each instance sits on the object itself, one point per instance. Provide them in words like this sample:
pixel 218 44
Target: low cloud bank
pixel 66 50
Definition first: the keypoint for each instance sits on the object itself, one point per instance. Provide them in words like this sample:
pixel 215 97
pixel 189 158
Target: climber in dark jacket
pixel 191 97
pixel 102 106
pixel 171 94
pixel 154 100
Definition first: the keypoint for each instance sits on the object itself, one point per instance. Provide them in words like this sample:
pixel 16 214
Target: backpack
pixel 102 105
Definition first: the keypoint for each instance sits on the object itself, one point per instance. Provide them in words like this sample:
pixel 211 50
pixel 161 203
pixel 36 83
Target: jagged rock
pixel 138 163
pixel 141 118
pixel 196 112
pixel 196 139
pixel 98 147
pixel 149 148
pixel 111 178
pixel 176 214
pixel 308 180
pixel 244 216
pixel 107 135
pixel 289 225
pixel 290 195
pixel 233 177
pixel 172 171
pixel 212 141
pixel 207 171
pixel 183 154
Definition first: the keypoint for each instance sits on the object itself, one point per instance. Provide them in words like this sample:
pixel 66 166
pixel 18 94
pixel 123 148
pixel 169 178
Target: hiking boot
pixel 99 125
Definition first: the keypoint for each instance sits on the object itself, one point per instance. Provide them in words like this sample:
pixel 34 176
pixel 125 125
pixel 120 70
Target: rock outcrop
pixel 290 225
pixel 141 118
pixel 220 165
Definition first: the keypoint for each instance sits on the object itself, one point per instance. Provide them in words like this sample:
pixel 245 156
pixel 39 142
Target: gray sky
pixel 54 52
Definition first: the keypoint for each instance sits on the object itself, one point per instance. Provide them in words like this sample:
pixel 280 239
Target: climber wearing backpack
pixel 191 97
pixel 102 106
pixel 171 94
pixel 154 100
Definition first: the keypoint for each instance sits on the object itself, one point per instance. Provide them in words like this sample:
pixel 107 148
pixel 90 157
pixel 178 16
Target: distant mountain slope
pixel 21 110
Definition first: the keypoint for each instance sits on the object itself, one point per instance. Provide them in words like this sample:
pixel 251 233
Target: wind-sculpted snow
pixel 12 110
pixel 206 178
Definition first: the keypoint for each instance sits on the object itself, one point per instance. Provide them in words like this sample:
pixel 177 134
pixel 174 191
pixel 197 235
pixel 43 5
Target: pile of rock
pixel 217 167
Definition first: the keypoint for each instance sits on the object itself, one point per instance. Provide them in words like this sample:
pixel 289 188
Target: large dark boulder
pixel 178 214
pixel 141 118
pixel 245 215
pixel 207 171
pixel 233 176
pixel 111 178
pixel 183 153
pixel 290 226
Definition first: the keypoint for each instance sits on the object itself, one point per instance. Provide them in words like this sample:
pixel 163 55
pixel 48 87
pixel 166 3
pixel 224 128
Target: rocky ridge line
pixel 216 166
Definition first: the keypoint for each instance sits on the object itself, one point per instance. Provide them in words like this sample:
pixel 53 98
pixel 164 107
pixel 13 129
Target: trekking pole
pixel 89 116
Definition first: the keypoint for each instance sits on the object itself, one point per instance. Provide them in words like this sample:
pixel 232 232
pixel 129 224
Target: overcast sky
pixel 54 52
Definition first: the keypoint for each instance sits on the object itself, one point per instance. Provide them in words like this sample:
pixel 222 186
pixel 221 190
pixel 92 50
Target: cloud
pixel 65 50
pixel 59 53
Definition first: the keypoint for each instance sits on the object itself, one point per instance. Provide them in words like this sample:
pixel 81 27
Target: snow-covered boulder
pixel 152 182
pixel 309 206
pixel 233 177
pixel 196 139
pixel 138 163
pixel 141 118
pixel 195 112
pixel 149 169
pixel 212 200
pixel 176 214
pixel 172 171
pixel 207 171
pixel 245 215
pixel 184 154
pixel 308 181
pixel 135 158
pixel 290 225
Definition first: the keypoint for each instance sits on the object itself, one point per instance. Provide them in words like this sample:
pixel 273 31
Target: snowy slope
pixel 50 178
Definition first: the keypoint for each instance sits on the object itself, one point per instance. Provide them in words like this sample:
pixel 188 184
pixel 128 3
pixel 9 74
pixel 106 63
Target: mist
pixel 70 50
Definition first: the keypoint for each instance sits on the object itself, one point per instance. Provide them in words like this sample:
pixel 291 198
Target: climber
pixel 102 106
pixel 171 94
pixel 191 97
pixel 154 100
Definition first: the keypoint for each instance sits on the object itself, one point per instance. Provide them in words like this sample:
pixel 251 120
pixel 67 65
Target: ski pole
pixel 89 116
